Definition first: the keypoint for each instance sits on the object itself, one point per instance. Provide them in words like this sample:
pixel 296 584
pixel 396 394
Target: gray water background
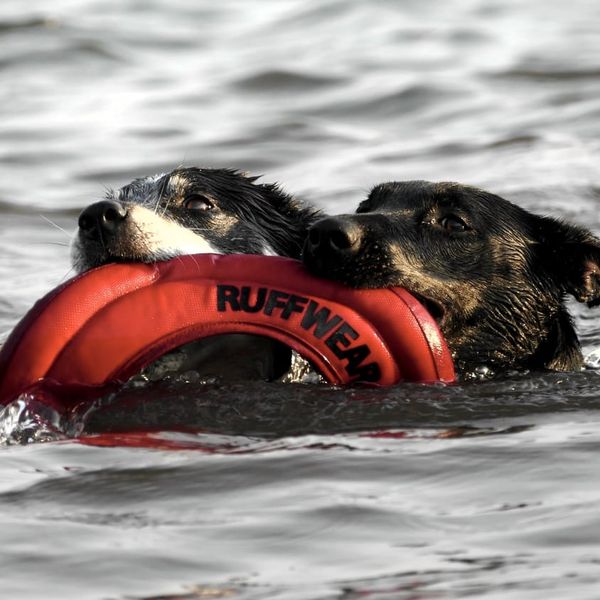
pixel 487 490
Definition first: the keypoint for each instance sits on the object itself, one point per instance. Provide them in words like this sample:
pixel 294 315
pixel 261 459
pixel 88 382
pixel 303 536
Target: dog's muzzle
pixel 332 240
pixel 101 219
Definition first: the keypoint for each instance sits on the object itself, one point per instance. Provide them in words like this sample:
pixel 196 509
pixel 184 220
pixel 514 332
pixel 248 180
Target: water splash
pixel 26 420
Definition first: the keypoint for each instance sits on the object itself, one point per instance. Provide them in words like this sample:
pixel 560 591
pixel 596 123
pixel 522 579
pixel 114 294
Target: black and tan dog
pixel 494 275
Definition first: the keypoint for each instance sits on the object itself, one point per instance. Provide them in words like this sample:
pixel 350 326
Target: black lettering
pixel 340 336
pixel 275 301
pixel 354 356
pixel 258 303
pixel 294 304
pixel 319 320
pixel 227 294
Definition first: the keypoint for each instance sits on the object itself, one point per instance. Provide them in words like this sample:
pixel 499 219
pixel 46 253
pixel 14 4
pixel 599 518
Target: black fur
pixel 494 275
pixel 238 215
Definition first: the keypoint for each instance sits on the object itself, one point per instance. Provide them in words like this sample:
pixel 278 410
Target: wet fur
pixel 498 287
pixel 154 220
pixel 246 217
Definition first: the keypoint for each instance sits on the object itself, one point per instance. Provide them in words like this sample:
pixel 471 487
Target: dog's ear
pixel 574 258
pixel 583 279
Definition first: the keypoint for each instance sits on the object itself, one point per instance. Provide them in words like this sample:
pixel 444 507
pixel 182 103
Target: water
pixel 487 490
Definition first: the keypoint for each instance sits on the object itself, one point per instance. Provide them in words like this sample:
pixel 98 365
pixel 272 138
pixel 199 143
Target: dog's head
pixel 493 274
pixel 189 211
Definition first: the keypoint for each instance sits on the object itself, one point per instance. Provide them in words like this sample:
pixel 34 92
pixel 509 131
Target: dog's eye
pixel 453 224
pixel 198 202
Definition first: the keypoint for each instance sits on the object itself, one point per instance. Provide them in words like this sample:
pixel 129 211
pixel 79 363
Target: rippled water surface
pixel 487 490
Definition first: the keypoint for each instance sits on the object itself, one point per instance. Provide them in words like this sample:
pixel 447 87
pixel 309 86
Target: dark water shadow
pixel 271 410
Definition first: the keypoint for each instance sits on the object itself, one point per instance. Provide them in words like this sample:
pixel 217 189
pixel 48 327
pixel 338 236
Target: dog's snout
pixel 102 217
pixel 335 234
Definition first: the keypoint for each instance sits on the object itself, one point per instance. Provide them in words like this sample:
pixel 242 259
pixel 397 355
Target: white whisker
pixel 68 274
pixel 164 212
pixel 52 244
pixel 195 261
pixel 69 235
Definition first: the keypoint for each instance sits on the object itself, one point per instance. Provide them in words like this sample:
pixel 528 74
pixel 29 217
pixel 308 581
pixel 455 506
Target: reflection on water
pixel 488 489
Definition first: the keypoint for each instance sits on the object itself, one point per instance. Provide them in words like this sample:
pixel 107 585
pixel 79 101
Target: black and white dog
pixel 494 275
pixel 189 211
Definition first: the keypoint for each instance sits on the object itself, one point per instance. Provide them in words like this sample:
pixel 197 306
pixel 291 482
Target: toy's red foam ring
pixel 101 327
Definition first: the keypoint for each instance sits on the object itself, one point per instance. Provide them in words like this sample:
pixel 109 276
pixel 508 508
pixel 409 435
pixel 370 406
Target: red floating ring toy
pixel 95 331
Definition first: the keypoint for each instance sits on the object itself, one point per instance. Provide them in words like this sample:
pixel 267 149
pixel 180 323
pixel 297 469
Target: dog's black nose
pixel 102 217
pixel 334 234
